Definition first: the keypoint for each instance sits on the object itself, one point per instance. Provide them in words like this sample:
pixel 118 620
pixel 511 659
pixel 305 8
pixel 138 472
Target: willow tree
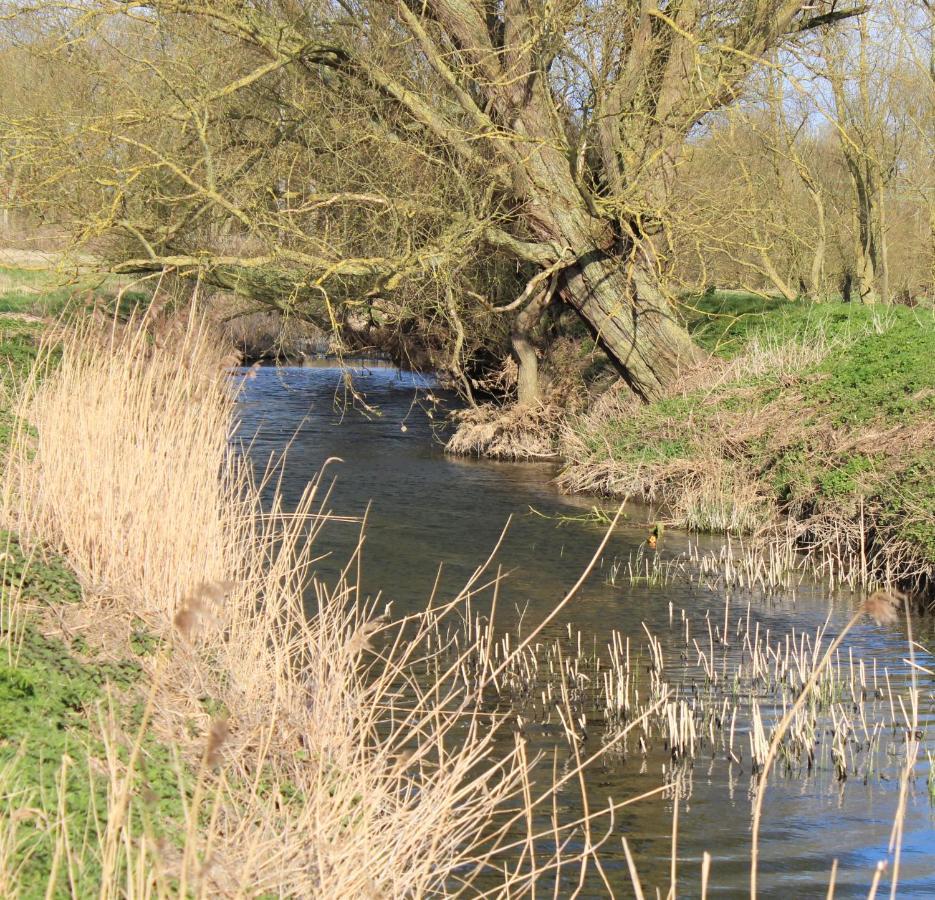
pixel 569 115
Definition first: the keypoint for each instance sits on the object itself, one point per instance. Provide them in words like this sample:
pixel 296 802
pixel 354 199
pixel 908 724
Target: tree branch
pixel 829 18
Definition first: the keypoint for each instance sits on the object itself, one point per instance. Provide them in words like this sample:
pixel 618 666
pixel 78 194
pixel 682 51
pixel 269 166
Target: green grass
pixel 725 323
pixel 49 695
pixel 35 291
pixel 664 420
pixel 50 294
pixel 884 377
pixel 836 435
pixel 19 346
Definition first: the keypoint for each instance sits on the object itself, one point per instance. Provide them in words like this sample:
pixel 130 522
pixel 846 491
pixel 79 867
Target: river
pixel 425 509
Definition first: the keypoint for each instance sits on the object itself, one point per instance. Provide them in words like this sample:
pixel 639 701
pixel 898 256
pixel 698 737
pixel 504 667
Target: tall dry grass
pixel 335 770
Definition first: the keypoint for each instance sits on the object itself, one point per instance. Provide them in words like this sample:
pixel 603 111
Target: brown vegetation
pixel 517 433
pixel 333 770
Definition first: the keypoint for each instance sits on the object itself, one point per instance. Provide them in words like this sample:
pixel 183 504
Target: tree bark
pixel 626 310
pixel 861 166
pixel 528 388
pixel 884 251
pixel 778 281
pixel 864 244
pixel 847 286
pixel 816 276
pixel 527 378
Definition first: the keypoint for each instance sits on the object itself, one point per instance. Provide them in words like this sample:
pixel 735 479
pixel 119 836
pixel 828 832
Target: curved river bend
pixel 426 508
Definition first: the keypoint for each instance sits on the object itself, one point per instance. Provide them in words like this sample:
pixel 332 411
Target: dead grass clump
pixel 513 433
pixel 714 496
pixel 704 484
pixel 314 760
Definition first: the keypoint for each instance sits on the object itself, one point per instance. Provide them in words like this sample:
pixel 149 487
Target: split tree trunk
pixel 613 283
pixel 528 392
pixel 865 249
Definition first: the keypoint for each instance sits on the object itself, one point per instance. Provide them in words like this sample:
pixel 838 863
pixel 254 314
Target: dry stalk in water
pixel 881 607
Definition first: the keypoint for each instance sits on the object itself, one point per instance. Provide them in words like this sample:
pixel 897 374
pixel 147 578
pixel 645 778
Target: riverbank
pixel 813 423
pixel 231 747
pixel 186 709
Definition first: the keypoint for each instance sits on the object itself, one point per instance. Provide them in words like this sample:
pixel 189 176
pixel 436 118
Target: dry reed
pixel 124 464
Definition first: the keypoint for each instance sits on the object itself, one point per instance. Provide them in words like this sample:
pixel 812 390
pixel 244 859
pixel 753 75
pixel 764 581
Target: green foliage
pixel 725 322
pixel 655 433
pixel 53 693
pixel 143 643
pixel 908 502
pixel 40 580
pixel 48 697
pixel 37 292
pixel 19 345
pixel 844 479
pixel 881 376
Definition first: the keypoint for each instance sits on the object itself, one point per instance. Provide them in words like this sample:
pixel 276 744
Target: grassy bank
pixel 35 292
pixel 813 419
pixel 56 691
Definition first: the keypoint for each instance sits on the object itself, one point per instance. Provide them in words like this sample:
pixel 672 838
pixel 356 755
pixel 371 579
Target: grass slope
pixel 824 413
pixel 48 293
pixel 52 757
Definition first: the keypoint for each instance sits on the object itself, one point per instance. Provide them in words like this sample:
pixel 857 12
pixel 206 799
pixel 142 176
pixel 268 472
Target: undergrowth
pixel 55 687
pixel 19 345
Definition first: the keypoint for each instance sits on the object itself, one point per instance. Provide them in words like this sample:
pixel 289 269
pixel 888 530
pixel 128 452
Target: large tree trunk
pixel 865 238
pixel 864 245
pixel 630 316
pixel 528 389
pixel 614 283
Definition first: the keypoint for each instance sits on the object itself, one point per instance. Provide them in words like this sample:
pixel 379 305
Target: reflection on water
pixel 425 509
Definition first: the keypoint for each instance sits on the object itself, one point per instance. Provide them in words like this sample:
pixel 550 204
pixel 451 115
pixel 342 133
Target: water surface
pixel 426 509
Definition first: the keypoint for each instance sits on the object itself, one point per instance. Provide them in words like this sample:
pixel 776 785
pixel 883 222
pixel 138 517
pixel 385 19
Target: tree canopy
pixel 447 168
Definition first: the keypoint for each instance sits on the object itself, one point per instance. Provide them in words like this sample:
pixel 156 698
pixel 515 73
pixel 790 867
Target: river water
pixel 426 510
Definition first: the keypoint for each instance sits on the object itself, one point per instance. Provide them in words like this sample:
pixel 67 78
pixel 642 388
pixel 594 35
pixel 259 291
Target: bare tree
pixel 567 118
pixel 869 145
pixel 824 169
